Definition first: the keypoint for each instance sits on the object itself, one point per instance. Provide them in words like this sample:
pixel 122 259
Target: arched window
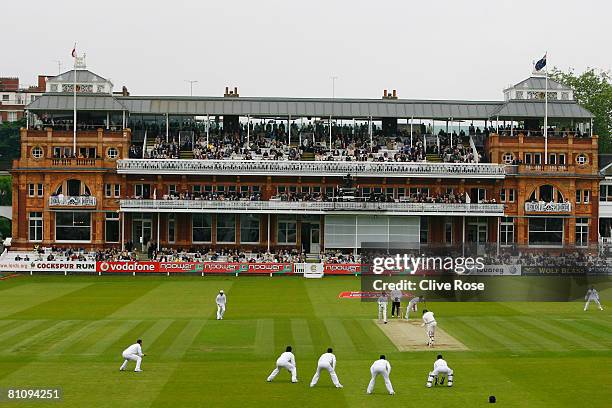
pixel 73 188
pixel 547 193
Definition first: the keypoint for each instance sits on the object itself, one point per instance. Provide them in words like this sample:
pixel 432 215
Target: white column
pixel 411 120
pixel 268 232
pixel 463 237
pixel 248 130
pixel 123 121
pixel 207 128
pixel 167 126
pixel 107 120
pixel 122 214
pixel 546 119
pixel 330 132
pixel 370 131
pixel 498 234
pixel 158 214
pixel 289 126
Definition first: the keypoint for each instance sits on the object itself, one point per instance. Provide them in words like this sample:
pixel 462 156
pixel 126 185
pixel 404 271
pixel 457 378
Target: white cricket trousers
pixel 332 374
pixel 410 307
pixel 132 357
pixel 586 305
pixel 441 370
pixel 287 366
pixel 220 312
pixel 385 376
pixel 382 312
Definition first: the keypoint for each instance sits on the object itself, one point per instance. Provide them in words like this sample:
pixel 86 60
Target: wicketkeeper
pixel 440 367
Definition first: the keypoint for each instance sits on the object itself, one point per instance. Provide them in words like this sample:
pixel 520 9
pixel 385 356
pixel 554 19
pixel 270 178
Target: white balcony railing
pixel 76 201
pixel 308 207
pixel 548 207
pixel 309 168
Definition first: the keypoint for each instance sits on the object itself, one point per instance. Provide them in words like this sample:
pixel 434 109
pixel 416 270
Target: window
pixel 506 231
pixel 249 228
pixel 519 95
pixel 561 159
pixel 582 232
pixel 100 89
pixel 226 228
pixel 197 189
pixel 329 191
pixel 201 227
pixel 537 159
pixel 448 232
pixel 389 192
pixel 73 226
pixel 111 227
pixel 508 158
pixel 528 158
pixel 564 96
pixel 552 158
pixel 53 87
pixel 511 193
pixel 244 189
pixel 424 230
pixel 171 228
pixel 578 196
pixel 112 190
pixel 37 152
pixel 286 230
pixel 35 230
pixel 31 190
pixel 546 231
pixel 5 97
pixel 581 159
pixel 112 153
pixel 586 196
pixel 502 195
pixel 172 189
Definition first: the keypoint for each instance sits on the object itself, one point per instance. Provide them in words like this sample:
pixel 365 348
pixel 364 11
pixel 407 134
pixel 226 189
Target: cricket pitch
pixel 408 335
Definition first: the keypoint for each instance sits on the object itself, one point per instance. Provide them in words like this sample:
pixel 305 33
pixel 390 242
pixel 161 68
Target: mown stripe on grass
pixel 585 327
pixel 85 328
pixel 107 340
pixel 6 322
pixel 24 297
pixel 29 344
pixel 283 336
pixel 184 340
pixel 264 338
pixel 568 335
pixel 498 322
pixel 531 333
pixel 152 333
pixel 340 338
pixel 377 337
pixel 26 325
pixel 301 335
pixel 482 327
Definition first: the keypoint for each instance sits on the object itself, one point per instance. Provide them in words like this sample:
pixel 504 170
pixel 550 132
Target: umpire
pixel 396 298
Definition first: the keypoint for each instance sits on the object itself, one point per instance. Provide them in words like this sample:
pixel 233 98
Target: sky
pixel 436 49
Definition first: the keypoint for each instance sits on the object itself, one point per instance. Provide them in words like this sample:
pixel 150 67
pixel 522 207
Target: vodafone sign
pixel 116 267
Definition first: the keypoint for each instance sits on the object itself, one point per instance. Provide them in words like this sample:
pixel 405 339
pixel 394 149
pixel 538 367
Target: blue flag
pixel 541 63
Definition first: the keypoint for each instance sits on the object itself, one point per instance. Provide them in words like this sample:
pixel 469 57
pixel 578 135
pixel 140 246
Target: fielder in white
pixel 134 353
pixel 429 322
pixel 286 361
pixel 440 367
pixel 592 295
pixel 383 368
pixel 412 305
pixel 327 361
pixel 221 301
pixel 382 307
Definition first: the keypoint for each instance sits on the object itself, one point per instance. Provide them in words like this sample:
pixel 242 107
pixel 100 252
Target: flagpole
pixel 546 113
pixel 74 117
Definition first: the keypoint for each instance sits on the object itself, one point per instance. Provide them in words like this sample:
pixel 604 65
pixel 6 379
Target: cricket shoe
pixel 339 386
pixel 138 371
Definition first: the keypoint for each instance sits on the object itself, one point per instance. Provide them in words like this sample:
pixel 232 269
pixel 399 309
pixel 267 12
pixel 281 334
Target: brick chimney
pixel 42 83
pixel 231 94
pixel 392 95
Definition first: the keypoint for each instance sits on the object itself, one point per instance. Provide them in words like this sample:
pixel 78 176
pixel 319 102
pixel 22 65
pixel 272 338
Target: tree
pixel 9 142
pixel 592 90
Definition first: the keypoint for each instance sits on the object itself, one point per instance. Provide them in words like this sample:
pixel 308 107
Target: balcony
pixel 310 168
pixel 75 162
pixel 311 207
pixel 543 207
pixel 75 201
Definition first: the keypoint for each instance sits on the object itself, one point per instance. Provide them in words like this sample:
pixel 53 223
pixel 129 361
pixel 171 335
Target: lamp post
pixel 191 82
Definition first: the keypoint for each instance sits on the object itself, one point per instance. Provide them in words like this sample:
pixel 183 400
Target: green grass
pixel 70 331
